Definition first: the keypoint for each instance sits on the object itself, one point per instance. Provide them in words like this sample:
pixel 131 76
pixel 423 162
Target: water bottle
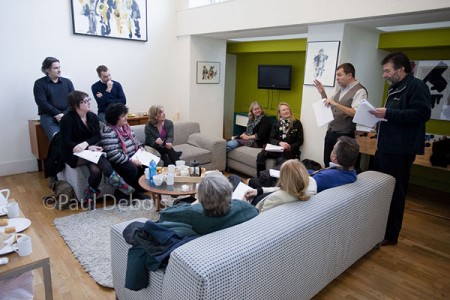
pixel 152 171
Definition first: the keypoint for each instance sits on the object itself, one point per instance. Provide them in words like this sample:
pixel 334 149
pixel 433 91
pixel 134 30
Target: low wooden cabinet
pixel 39 142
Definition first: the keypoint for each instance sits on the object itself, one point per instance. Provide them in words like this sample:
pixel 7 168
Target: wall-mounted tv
pixel 274 77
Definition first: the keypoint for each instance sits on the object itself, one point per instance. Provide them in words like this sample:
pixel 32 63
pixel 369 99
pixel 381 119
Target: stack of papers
pixel 274 148
pixel 363 115
pixel 323 114
pixel 90 155
pixel 145 157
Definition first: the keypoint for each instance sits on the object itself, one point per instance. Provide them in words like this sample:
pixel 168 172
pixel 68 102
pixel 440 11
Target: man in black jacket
pixel 407 109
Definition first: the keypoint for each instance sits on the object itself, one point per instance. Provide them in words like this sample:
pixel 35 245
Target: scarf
pixel 284 128
pixel 125 133
pixel 252 124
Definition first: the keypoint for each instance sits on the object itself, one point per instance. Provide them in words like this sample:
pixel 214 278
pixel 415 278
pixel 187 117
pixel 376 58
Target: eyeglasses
pixel 86 101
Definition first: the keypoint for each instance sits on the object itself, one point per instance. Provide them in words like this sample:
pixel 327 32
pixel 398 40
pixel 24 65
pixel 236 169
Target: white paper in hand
pixel 323 113
pixel 240 191
pixel 145 157
pixel 274 173
pixel 274 148
pixel 363 115
pixel 90 155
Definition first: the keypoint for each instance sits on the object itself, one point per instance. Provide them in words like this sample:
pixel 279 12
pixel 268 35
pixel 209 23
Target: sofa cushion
pixel 182 131
pixel 191 152
pixel 245 155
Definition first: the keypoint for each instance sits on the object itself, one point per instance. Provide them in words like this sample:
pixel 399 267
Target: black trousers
pixel 130 173
pixel 330 140
pixel 398 166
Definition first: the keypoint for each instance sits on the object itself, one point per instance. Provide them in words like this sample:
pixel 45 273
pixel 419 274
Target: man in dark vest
pixel 343 105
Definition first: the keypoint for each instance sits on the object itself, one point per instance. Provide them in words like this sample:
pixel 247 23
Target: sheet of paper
pixel 274 148
pixel 89 155
pixel 145 157
pixel 274 173
pixel 240 190
pixel 363 115
pixel 323 114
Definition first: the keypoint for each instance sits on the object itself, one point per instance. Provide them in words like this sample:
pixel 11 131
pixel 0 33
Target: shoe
pixel 387 243
pixel 51 181
pixel 140 195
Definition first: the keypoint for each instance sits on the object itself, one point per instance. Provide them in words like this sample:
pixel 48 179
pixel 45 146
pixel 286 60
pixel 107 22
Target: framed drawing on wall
pixel 125 20
pixel 208 72
pixel 321 62
pixel 436 75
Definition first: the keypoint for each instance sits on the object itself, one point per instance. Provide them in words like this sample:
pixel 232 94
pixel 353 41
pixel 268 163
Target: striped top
pixel 112 146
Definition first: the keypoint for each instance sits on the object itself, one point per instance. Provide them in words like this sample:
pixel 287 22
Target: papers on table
pixel 274 173
pixel 240 191
pixel 323 113
pixel 274 148
pixel 363 115
pixel 90 155
pixel 145 157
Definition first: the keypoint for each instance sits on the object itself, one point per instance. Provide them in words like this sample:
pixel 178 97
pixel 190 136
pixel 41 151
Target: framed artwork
pixel 321 62
pixel 208 72
pixel 436 75
pixel 110 19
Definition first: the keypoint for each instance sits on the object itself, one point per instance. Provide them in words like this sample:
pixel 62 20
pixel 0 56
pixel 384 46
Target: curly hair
pixel 114 111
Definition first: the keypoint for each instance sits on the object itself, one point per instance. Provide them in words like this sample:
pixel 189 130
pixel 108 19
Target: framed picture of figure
pixel 208 72
pixel 321 62
pixel 110 19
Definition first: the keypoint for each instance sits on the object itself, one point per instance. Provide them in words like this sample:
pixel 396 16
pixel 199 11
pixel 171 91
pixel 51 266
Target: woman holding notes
pixel 120 145
pixel 287 134
pixel 80 131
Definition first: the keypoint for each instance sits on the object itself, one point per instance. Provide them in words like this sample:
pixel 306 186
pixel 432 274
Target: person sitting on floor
pixel 215 210
pixel 120 144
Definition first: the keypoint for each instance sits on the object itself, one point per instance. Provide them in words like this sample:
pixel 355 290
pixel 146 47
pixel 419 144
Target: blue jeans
pixel 232 144
pixel 50 125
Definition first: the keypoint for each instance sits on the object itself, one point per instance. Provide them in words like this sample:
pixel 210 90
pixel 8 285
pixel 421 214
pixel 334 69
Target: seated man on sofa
pixel 341 170
pixel 215 211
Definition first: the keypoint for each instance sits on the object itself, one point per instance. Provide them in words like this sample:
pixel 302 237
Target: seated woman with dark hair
pixel 159 135
pixel 120 144
pixel 215 211
pixel 80 130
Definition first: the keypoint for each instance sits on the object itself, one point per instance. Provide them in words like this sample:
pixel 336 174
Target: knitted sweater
pixel 113 147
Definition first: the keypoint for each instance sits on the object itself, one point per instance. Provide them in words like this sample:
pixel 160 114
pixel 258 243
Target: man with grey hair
pixel 50 93
pixel 216 209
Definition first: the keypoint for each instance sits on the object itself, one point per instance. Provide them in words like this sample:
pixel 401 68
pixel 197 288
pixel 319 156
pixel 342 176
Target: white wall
pixel 147 71
pixel 230 93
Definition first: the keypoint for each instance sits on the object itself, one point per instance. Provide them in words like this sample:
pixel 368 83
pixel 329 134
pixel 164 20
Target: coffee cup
pixel 180 163
pixel 23 245
pixel 12 209
pixel 170 180
pixel 184 171
pixel 146 172
pixel 158 179
pixel 171 169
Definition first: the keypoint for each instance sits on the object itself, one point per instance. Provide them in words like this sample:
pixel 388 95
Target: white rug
pixel 88 235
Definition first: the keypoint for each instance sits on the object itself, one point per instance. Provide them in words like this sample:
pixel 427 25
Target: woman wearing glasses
pixel 80 130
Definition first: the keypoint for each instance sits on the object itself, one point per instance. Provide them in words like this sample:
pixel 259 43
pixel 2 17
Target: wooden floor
pixel 417 268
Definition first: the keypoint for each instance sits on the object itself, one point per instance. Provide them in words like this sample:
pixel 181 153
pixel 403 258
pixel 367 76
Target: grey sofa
pixel 289 252
pixel 209 152
pixel 243 160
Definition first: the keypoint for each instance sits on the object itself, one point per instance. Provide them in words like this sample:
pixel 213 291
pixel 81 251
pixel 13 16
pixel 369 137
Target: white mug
pixel 146 172
pixel 12 209
pixel 170 180
pixel 180 163
pixel 171 169
pixel 23 245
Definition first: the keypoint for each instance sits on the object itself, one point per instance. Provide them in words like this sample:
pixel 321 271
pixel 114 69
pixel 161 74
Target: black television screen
pixel 274 77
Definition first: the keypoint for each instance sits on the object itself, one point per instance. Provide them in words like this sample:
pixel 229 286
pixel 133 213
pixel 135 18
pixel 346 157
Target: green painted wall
pixel 424 45
pixel 281 52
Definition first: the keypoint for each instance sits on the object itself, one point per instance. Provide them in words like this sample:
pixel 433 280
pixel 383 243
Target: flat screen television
pixel 274 77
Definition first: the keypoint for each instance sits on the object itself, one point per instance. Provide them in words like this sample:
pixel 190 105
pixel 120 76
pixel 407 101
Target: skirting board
pixel 18 167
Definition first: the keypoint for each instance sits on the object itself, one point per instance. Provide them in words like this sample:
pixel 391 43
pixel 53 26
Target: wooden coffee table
pixel 38 258
pixel 164 189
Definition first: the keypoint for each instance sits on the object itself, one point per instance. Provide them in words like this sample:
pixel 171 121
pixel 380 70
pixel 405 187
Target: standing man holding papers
pixel 343 105
pixel 406 110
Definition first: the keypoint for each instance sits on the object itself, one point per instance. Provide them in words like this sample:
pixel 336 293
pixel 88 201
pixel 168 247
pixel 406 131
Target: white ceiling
pixel 399 22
